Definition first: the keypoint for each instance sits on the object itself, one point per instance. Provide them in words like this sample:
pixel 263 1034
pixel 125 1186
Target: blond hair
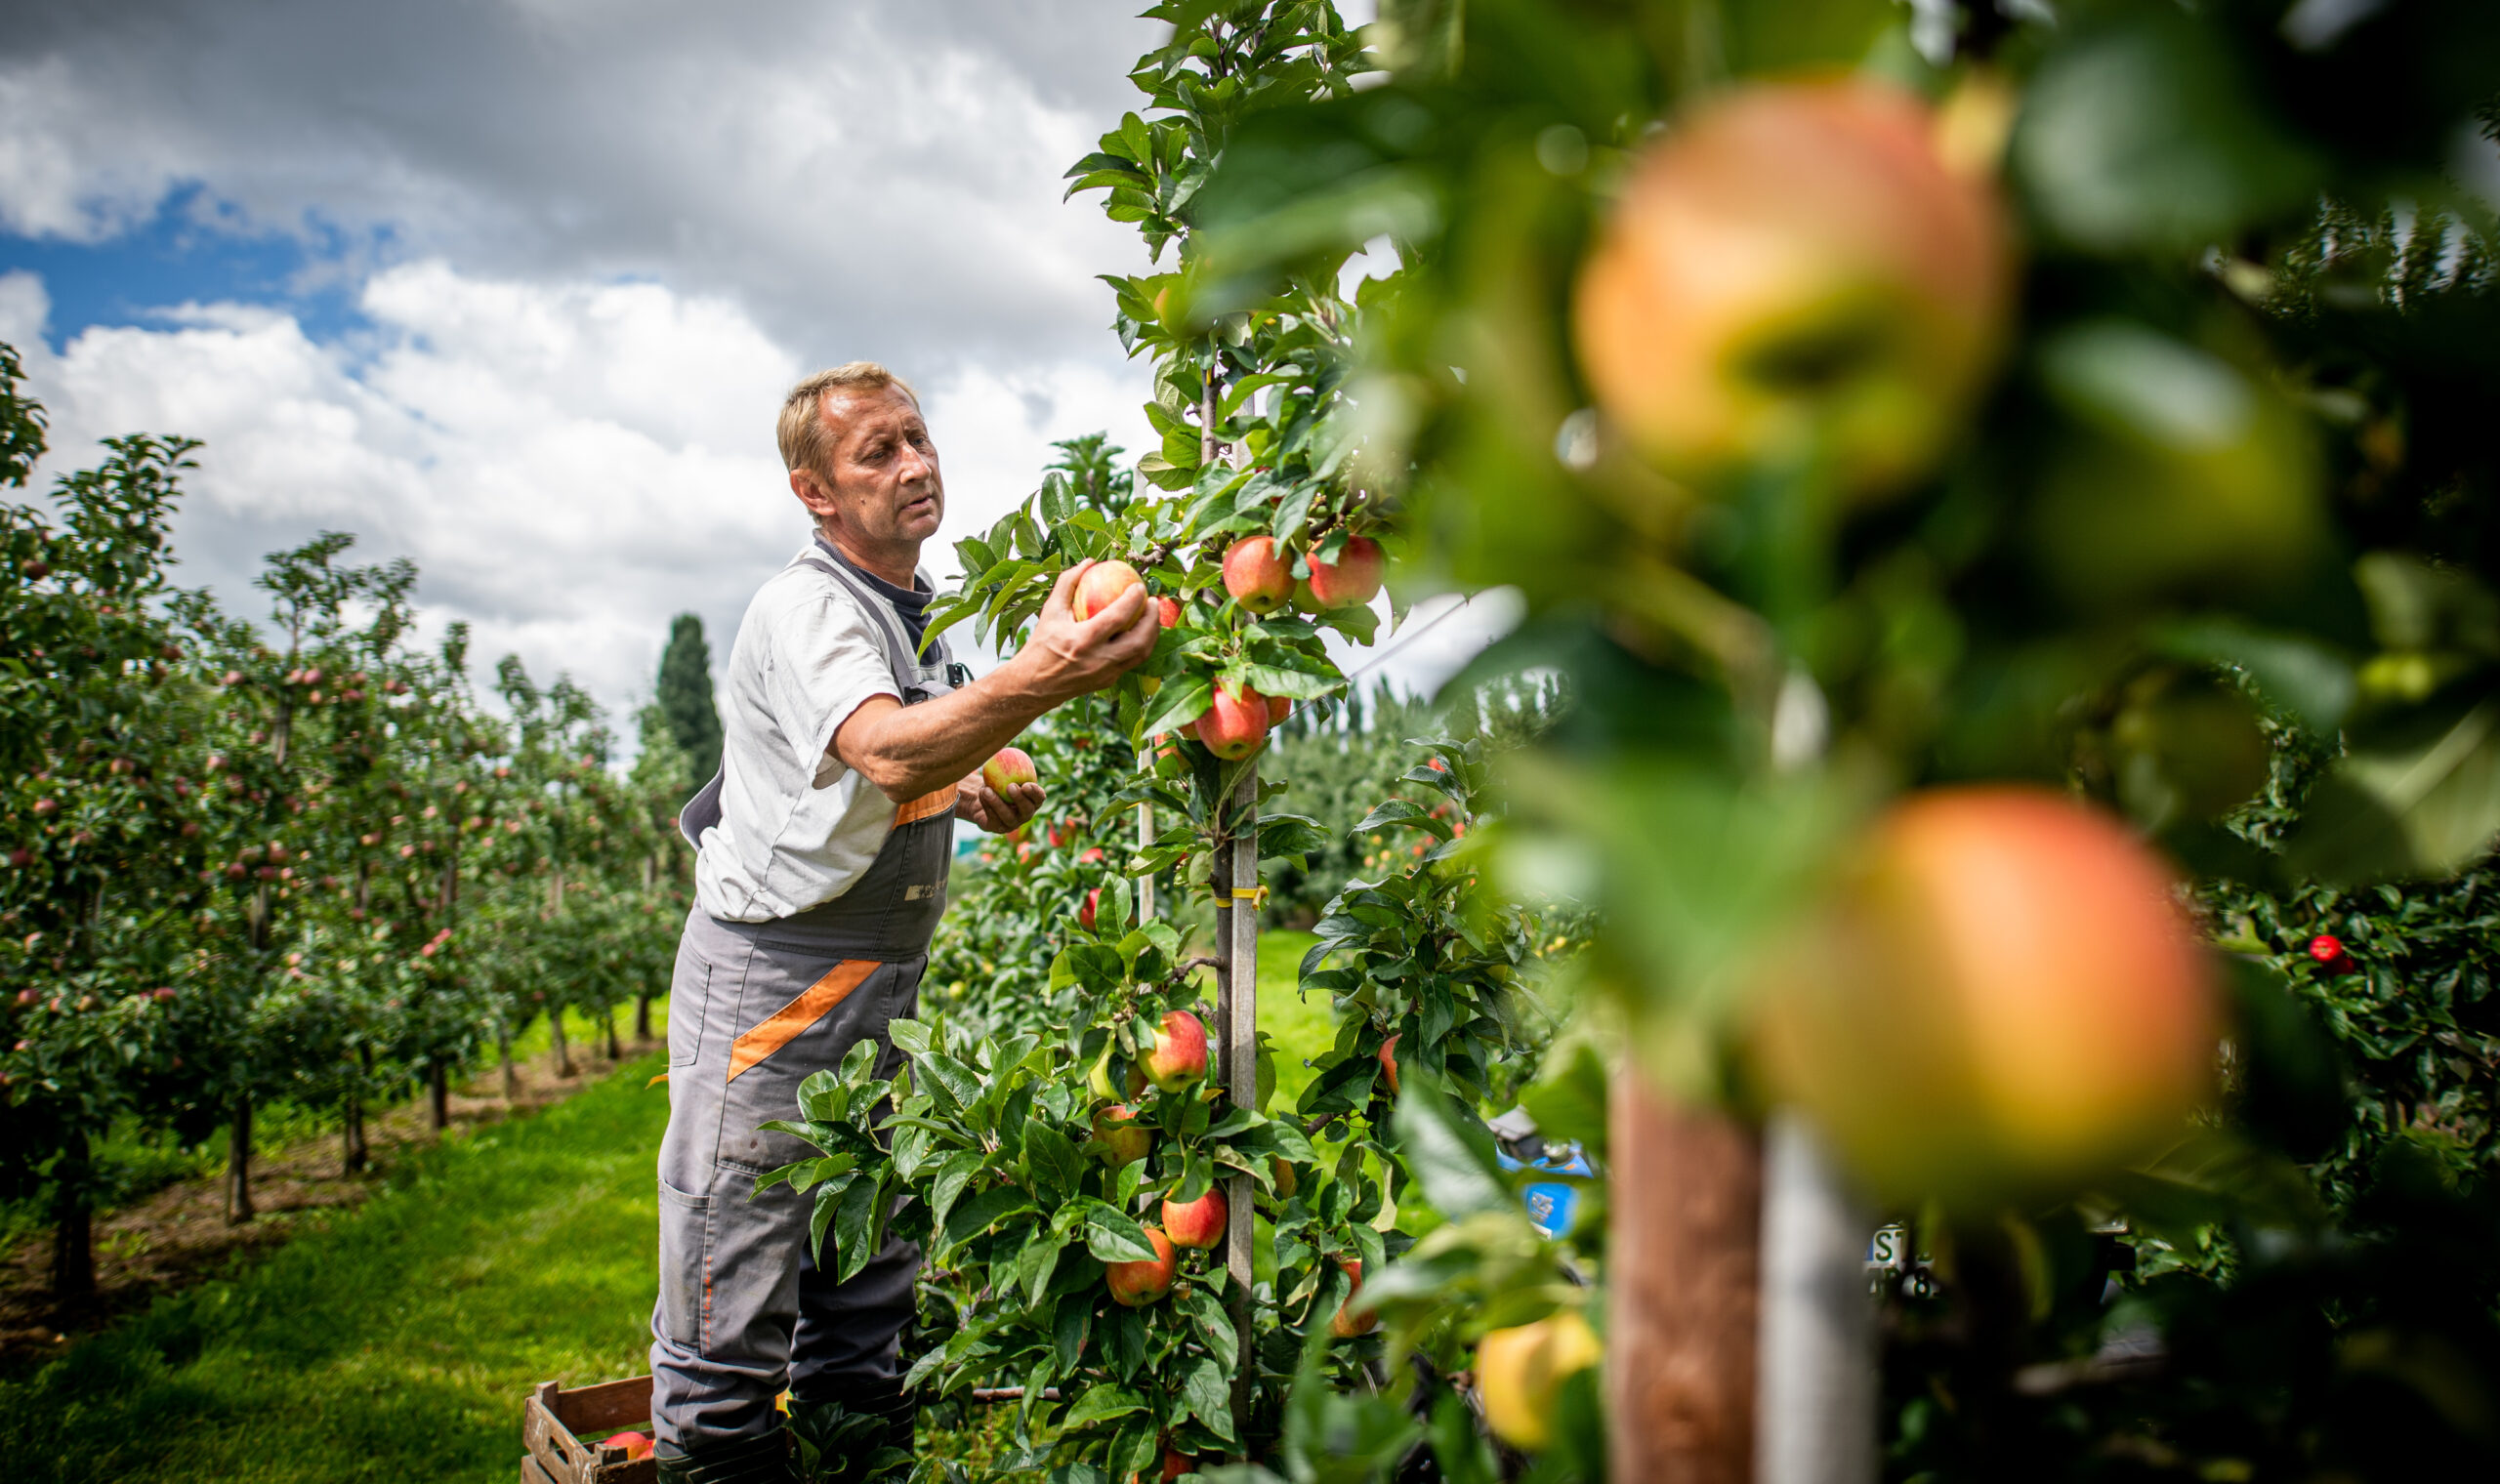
pixel 805 442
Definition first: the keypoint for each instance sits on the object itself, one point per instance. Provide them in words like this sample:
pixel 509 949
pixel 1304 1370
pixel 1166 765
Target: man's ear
pixel 808 486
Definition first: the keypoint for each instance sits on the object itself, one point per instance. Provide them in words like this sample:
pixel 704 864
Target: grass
pixel 1296 1028
pixel 391 1343
pixel 397 1340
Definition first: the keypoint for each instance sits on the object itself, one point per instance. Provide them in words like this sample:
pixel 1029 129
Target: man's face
pixel 883 489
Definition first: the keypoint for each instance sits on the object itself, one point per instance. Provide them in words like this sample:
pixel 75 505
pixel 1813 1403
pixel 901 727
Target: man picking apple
pixel 820 872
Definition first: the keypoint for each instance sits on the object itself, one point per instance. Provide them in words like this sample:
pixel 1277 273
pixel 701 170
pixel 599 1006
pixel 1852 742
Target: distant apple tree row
pixel 293 859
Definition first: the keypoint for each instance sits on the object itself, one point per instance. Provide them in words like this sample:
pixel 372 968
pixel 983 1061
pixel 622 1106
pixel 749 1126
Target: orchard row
pixel 297 859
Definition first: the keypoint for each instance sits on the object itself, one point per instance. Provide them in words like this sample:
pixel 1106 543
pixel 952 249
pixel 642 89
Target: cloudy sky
pixel 513 287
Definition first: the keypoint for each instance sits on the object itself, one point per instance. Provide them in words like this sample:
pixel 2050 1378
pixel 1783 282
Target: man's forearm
pixel 911 751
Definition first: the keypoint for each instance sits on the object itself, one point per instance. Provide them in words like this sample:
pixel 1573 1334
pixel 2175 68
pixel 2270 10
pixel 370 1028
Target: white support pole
pixel 1815 1400
pixel 1237 1017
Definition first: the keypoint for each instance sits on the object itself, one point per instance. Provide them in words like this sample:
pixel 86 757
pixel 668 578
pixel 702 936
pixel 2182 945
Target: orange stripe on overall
pixel 784 1025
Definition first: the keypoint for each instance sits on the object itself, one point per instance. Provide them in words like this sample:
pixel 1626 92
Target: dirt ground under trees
pixel 177 1235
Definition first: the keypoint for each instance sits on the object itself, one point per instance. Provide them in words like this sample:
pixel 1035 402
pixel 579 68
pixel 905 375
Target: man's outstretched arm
pixel 909 752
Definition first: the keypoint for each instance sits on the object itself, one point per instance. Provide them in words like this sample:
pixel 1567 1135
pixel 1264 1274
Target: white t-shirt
pixel 797 828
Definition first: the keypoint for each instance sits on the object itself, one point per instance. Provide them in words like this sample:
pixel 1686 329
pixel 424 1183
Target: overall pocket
pixel 686 1265
pixel 688 987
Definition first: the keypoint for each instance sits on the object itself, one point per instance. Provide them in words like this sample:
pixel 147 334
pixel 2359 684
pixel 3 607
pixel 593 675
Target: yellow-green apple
pixel 1287 1181
pixel 2000 992
pixel 1007 767
pixel 1519 1369
pixel 1140 1283
pixel 1178 1058
pixel 1234 723
pixel 1101 585
pixel 1123 1139
pixel 1345 1325
pixel 1795 277
pixel 1352 578
pixel 1258 574
pixel 1197 1224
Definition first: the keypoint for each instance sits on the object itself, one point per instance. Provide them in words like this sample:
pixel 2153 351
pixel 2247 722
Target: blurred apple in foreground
pixel 1796 278
pixel 2001 994
pixel 1517 1370
pixel 1346 1325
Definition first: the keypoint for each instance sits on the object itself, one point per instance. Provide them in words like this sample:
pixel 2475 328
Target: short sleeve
pixel 827 658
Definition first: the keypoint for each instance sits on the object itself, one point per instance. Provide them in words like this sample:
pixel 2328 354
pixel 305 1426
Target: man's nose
pixel 918 466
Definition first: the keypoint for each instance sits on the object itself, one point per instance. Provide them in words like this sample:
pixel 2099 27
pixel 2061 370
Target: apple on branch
pixel 1234 723
pixel 1198 1223
pixel 1258 574
pixel 1136 1284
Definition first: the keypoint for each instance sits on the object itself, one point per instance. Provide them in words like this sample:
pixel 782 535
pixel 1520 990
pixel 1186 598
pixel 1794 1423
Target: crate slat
pixel 548 1420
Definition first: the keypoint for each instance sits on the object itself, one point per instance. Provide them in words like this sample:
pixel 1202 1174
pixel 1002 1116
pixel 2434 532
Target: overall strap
pixel 919 679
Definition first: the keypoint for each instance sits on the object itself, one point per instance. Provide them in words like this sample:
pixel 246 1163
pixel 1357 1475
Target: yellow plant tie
pixel 1256 896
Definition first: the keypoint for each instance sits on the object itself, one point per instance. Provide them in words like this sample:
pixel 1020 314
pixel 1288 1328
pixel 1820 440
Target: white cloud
pixel 568 465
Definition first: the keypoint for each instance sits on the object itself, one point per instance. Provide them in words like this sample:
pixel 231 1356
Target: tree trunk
pixel 238 1165
pixel 607 1017
pixel 73 1223
pixel 438 1086
pixel 557 1049
pixel 354 1155
pixel 1685 1262
pixel 642 1021
pixel 503 1054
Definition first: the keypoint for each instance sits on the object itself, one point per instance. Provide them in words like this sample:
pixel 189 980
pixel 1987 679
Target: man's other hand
pixel 999 815
pixel 1071 657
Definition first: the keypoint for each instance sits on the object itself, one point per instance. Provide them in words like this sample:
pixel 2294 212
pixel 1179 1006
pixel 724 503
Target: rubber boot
pixel 762 1459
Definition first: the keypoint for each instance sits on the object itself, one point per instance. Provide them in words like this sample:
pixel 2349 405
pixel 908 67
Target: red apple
pixel 1123 1139
pixel 1795 273
pixel 638 1446
pixel 1007 767
pixel 1258 574
pixel 1234 723
pixel 1175 1463
pixel 1167 611
pixel 1199 1223
pixel 1344 1325
pixel 1093 904
pixel 1999 993
pixel 1278 708
pixel 1135 1285
pixel 1177 1058
pixel 2327 950
pixel 1389 1063
pixel 1102 585
pixel 1353 578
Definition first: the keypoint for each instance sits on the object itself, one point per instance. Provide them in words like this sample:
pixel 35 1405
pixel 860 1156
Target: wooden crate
pixel 554 1424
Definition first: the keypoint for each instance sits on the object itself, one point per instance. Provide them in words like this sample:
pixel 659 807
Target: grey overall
pixel 754 1009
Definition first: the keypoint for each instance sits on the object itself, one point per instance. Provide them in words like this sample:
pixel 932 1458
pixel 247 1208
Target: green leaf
pixel 1181 703
pixel 2419 798
pixel 910 1036
pixel 854 1234
pixel 1204 1389
pixel 1451 1156
pixel 1102 1404
pixel 1112 1236
pixel 983 1212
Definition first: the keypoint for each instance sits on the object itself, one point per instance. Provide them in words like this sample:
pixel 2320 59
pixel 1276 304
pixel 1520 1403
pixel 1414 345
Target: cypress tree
pixel 685 696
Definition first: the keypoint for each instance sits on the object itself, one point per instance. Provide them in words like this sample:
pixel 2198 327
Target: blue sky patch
pixel 194 250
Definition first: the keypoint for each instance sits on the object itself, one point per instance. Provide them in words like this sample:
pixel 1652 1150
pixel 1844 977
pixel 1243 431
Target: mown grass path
pixel 395 1341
